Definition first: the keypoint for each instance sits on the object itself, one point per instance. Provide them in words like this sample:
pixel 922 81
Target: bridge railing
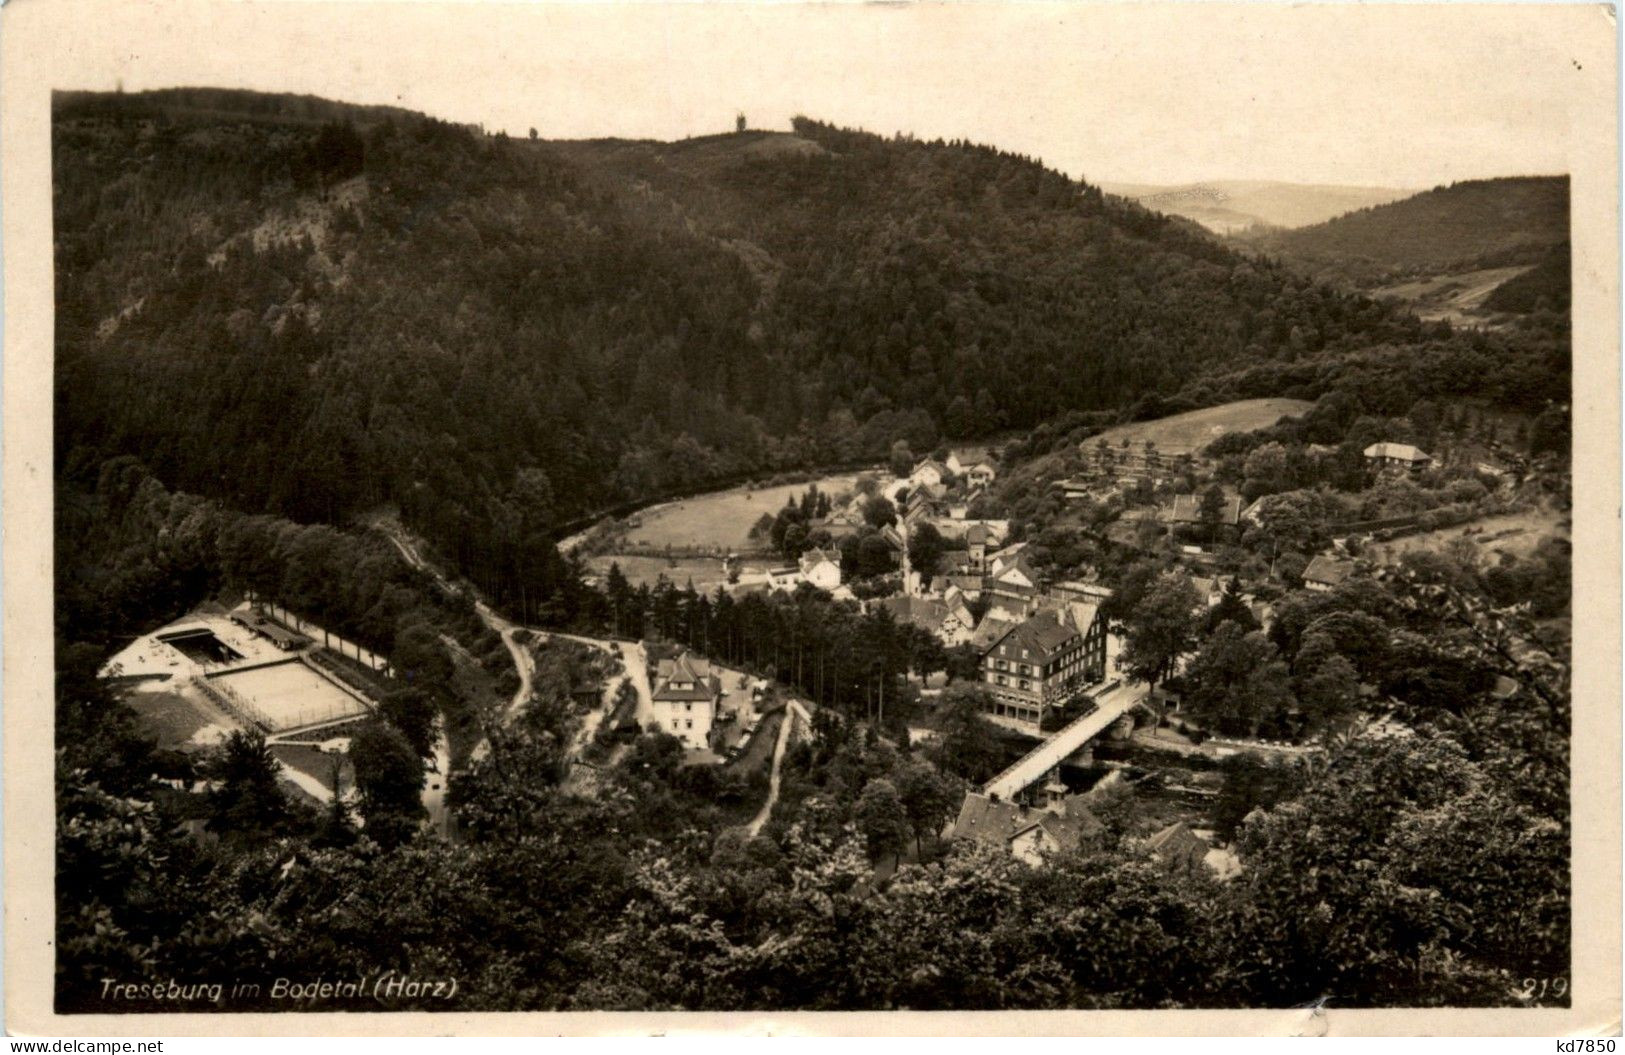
pixel 1030 756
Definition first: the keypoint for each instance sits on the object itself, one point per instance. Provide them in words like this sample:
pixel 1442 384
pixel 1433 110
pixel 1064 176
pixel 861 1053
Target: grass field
pixel 176 720
pixel 1514 533
pixel 1455 297
pixel 1196 429
pixel 318 765
pixel 722 518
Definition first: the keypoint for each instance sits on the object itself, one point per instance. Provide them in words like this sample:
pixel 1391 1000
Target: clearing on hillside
pixel 1516 534
pixel 722 519
pixel 1457 297
pixel 1191 431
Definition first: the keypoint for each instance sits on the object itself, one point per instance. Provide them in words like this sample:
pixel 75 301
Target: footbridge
pixel 1047 756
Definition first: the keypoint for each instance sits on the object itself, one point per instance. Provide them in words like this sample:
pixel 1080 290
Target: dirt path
pixel 794 713
pixel 523 661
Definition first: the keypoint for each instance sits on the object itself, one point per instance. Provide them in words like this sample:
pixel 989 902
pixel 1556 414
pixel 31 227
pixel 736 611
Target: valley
pixel 1454 297
pixel 1228 207
pixel 1157 564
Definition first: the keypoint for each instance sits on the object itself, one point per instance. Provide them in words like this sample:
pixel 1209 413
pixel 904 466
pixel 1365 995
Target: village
pixel 929 543
pixel 932 544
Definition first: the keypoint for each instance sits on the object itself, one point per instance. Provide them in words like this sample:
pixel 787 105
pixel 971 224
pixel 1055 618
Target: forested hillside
pixel 1476 223
pixel 311 316
pixel 278 317
pixel 1547 285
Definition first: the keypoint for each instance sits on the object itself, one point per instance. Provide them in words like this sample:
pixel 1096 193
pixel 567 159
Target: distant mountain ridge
pixel 1230 206
pixel 307 309
pixel 1472 224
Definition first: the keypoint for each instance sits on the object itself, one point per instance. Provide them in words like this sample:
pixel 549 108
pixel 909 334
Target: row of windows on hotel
pixel 1032 670
pixel 1005 682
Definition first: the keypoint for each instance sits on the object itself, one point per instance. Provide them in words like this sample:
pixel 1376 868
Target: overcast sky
pixel 1406 96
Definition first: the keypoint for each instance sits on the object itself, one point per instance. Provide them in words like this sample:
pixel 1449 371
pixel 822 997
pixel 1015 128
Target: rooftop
pixel 1404 452
pixel 1177 842
pixel 989 631
pixel 687 677
pixel 988 820
pixel 1187 509
pixel 924 612
pixel 1043 634
pixel 1328 570
pixel 996 821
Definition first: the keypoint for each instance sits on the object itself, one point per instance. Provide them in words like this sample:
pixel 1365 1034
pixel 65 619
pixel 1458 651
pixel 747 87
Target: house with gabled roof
pixel 1052 833
pixel 1014 586
pixel 989 630
pixel 968 586
pixel 1017 571
pixel 1026 833
pixel 928 473
pixel 820 569
pixel 924 501
pixel 1326 573
pixel 950 622
pixel 1178 849
pixel 1187 509
pixel 1387 455
pixel 982 474
pixel 998 560
pixel 687 692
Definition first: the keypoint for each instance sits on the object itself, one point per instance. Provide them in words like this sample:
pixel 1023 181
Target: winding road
pixel 523 661
pixel 434 790
pixel 633 659
pixel 635 668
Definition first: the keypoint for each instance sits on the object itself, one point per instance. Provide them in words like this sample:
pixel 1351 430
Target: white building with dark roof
pixel 820 569
pixel 1397 456
pixel 929 473
pixel 1041 663
pixel 686 694
pixel 950 621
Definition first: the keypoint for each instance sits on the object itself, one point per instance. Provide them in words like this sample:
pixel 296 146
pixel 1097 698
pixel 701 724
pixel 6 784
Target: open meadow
pixel 722 518
pixel 1456 297
pixel 1516 534
pixel 1191 431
